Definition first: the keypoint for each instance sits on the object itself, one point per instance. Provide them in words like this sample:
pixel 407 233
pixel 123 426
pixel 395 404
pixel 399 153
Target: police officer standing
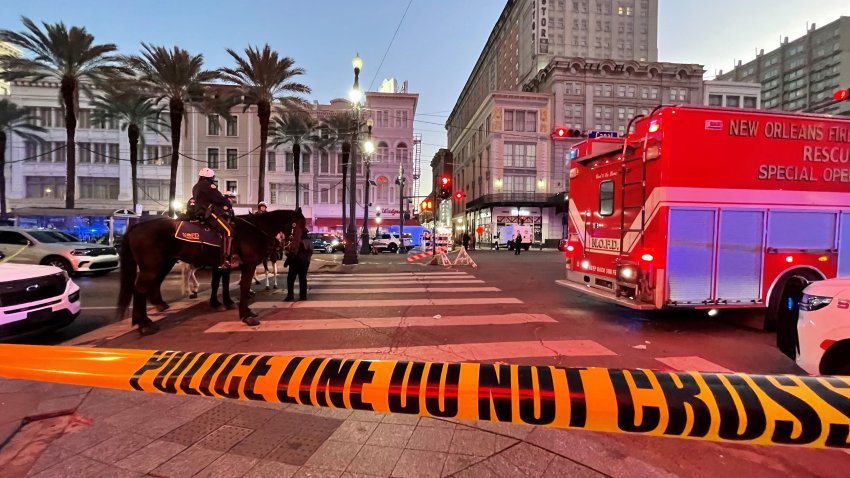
pixel 209 198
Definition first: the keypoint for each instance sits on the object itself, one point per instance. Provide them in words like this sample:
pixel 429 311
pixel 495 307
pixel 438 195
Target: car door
pixel 15 246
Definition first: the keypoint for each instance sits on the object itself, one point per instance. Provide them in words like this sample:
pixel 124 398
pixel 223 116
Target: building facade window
pixel 47 187
pixel 231 186
pixel 518 184
pixel 520 155
pixel 290 162
pixel 212 158
pixel 324 162
pixel 520 120
pixel 271 161
pixel 733 101
pixel 401 153
pixel 383 152
pixel 232 126
pixel 750 102
pixel 305 160
pixel 98 188
pixel 232 159
pixel 153 189
pixel 213 125
pixel 715 100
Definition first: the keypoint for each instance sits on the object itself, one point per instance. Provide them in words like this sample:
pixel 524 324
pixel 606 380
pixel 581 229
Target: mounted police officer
pixel 219 209
pixel 262 207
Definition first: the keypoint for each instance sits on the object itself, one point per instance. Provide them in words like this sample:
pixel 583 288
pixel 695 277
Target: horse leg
pixel 225 291
pixel 266 268
pixel 274 276
pixel 155 295
pixel 194 285
pixel 247 316
pixel 145 282
pixel 216 279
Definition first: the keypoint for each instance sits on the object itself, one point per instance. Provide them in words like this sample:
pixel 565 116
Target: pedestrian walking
pixel 299 264
pixel 465 240
pixel 517 243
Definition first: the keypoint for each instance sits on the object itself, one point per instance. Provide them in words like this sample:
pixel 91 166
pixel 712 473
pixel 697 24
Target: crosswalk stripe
pixel 401 274
pixel 333 278
pixel 381 322
pixel 312 280
pixel 404 290
pixel 692 363
pixel 465 352
pixel 329 304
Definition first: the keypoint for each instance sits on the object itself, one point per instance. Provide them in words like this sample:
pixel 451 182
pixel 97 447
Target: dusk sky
pixel 436 47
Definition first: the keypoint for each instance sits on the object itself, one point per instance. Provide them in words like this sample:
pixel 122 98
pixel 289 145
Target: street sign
pixel 602 134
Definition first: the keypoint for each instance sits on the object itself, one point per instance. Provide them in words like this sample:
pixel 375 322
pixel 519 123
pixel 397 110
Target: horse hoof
pixel 268 288
pixel 251 293
pixel 274 287
pixel 220 308
pixel 193 295
pixel 230 306
pixel 251 314
pixel 251 321
pixel 161 307
pixel 148 329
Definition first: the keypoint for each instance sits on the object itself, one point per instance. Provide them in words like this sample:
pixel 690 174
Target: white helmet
pixel 262 203
pixel 206 173
pixel 230 194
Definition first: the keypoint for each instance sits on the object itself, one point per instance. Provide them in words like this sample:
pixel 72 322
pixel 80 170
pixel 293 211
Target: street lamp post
pixel 400 182
pixel 350 256
pixel 368 149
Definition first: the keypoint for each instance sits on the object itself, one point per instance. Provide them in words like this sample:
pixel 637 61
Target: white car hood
pixel 828 288
pixel 10 272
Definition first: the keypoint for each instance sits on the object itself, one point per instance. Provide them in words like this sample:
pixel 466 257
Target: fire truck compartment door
pixel 690 255
pixel 739 256
pixel 844 246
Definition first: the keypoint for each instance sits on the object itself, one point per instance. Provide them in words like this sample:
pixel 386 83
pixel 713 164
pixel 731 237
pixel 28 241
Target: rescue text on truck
pixel 712 208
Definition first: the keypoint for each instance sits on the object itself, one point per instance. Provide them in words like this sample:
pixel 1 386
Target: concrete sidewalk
pixel 130 434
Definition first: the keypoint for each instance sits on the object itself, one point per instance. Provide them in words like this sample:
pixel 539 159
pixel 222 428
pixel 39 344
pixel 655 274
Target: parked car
pixel 54 248
pixel 823 328
pixel 391 243
pixel 326 242
pixel 35 298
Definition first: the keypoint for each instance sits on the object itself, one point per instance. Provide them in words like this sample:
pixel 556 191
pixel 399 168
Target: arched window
pixel 383 149
pixel 382 189
pixel 401 153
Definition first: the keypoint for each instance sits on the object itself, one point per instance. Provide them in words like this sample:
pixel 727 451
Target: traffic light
pixel 842 95
pixel 459 195
pixel 561 133
pixel 426 205
pixel 445 187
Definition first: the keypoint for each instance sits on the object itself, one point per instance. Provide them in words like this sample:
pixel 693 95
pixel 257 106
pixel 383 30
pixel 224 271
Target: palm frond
pixel 20 121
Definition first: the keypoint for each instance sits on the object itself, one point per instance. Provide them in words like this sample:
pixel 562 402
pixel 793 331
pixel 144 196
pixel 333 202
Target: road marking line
pixel 400 274
pixel 692 364
pixel 465 352
pixel 404 290
pixel 312 280
pixel 384 303
pixel 380 322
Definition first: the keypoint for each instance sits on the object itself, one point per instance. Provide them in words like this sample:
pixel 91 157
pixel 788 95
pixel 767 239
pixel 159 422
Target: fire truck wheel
pixel 783 309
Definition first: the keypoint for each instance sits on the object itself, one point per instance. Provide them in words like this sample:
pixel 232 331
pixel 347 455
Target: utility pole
pixel 400 183
pixel 367 159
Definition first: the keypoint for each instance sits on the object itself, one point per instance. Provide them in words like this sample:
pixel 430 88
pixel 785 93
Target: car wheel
pixel 329 250
pixel 836 360
pixel 392 248
pixel 784 310
pixel 59 262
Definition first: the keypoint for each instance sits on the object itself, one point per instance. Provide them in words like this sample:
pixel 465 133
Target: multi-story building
pixel 499 132
pixel 37 174
pixel 802 75
pixel 732 94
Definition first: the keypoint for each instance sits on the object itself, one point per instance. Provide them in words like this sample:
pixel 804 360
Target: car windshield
pixel 51 237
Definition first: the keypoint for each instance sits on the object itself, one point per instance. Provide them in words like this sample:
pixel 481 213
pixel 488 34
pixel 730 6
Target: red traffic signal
pixel 459 195
pixel 561 133
pixel 444 181
pixel 841 95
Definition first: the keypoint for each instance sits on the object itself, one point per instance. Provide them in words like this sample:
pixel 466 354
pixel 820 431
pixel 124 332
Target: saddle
pixel 197 232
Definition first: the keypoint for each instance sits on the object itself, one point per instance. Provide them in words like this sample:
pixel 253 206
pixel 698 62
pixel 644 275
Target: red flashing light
pixel 459 195
pixel 561 133
pixel 789 259
pixel 841 95
pixel 570 248
pixel 647 257
pixel 444 180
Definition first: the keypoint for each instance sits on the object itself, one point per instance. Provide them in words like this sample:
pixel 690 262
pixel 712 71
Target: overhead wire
pixel 392 40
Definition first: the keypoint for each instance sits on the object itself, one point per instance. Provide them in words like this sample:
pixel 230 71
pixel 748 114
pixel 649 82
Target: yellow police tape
pixel 758 409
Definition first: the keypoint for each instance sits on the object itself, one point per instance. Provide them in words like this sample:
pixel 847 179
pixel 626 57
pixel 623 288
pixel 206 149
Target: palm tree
pixel 297 128
pixel 133 110
pixel 263 78
pixel 337 129
pixel 17 120
pixel 176 76
pixel 67 55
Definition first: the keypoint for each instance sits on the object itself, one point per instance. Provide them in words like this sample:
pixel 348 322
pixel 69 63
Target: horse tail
pixel 128 278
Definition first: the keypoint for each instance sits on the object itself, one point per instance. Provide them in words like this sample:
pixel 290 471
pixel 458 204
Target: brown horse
pixel 150 250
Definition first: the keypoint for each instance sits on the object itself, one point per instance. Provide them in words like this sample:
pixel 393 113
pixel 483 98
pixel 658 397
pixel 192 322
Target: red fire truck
pixel 711 208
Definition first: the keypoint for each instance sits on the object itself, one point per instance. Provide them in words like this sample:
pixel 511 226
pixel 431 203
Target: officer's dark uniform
pixel 208 197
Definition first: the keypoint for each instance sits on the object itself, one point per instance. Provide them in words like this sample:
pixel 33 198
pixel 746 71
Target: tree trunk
pixel 2 175
pixel 133 136
pixel 264 113
pixel 175 110
pixel 296 165
pixel 67 88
